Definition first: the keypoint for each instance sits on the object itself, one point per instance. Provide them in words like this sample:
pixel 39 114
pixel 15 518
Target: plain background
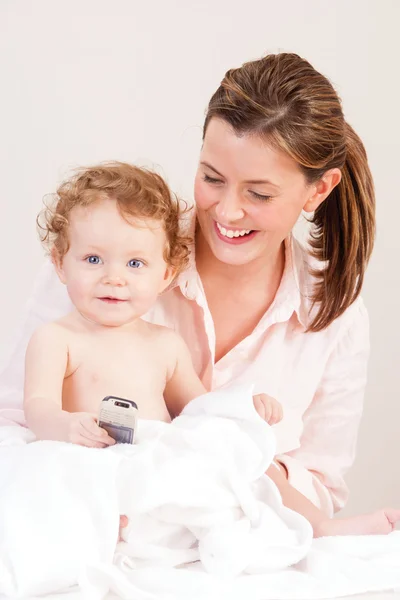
pixel 90 80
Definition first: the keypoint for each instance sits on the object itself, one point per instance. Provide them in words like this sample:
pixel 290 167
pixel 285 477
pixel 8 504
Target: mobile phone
pixel 118 416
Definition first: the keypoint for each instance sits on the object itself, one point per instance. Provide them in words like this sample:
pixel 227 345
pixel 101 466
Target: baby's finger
pixel 107 438
pixel 90 424
pixel 82 440
pixel 123 522
pixel 275 414
pixel 259 405
pixel 95 432
pixel 103 432
pixel 92 431
pixel 267 410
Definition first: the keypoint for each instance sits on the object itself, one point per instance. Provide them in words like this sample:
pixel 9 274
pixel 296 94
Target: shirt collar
pixel 293 295
pixel 290 295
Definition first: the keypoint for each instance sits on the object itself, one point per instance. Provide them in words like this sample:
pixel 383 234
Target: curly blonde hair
pixel 138 192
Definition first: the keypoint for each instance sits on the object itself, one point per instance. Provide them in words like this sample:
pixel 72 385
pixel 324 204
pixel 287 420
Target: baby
pixel 115 242
pixel 114 238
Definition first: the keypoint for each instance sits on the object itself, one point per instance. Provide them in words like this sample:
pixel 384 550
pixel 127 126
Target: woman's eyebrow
pixel 262 181
pixel 206 164
pixel 252 181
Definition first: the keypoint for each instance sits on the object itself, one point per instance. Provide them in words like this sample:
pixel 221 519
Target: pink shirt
pixel 319 378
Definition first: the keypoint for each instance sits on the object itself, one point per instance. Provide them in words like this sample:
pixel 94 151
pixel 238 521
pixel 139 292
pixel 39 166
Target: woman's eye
pixel 263 197
pixel 93 259
pixel 209 179
pixel 135 264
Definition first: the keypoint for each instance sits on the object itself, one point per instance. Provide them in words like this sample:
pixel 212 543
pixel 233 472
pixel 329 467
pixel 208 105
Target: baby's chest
pixel 122 370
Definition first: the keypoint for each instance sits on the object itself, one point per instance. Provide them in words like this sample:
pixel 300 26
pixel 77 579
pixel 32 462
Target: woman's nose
pixel 229 209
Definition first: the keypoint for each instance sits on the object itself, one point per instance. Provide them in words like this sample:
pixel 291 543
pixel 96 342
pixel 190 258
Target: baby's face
pixel 113 270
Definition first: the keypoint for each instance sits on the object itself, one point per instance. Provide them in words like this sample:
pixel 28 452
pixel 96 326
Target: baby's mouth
pixel 112 299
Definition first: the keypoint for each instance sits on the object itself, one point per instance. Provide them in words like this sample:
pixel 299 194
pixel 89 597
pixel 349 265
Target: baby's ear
pixel 57 261
pixel 170 273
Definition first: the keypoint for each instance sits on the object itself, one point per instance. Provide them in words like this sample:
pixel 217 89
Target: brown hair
pixel 139 193
pixel 283 99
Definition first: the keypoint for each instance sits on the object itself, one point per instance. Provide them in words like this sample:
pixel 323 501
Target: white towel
pixel 204 520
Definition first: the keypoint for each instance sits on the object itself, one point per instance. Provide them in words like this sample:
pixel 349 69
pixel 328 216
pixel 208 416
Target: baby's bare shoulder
pixel 49 332
pixel 53 333
pixel 157 332
pixel 48 339
pixel 167 336
pixel 165 340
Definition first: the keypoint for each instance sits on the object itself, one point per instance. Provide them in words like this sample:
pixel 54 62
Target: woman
pixel 254 306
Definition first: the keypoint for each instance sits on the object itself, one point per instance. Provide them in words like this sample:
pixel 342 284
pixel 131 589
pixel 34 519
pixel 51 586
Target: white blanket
pixel 204 520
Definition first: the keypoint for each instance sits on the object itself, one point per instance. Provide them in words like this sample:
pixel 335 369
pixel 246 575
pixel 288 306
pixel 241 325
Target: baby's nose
pixel 115 279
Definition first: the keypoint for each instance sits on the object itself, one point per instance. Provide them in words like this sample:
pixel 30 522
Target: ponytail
pixel 343 235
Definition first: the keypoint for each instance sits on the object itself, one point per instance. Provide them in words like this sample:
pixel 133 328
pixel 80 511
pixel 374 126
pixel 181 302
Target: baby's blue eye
pixel 135 264
pixel 93 260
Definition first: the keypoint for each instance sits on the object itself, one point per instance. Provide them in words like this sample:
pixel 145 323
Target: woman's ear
pixel 57 261
pixel 322 188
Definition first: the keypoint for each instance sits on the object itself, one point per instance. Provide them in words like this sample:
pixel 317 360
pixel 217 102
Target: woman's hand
pixel 268 408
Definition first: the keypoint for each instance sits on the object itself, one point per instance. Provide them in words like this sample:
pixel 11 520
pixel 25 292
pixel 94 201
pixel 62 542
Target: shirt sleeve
pixel 49 301
pixel 331 422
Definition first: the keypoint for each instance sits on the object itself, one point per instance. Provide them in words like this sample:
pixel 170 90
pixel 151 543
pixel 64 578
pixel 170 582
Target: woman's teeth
pixel 230 233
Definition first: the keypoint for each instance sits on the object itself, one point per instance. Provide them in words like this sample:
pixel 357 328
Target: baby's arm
pixel 183 383
pixel 46 364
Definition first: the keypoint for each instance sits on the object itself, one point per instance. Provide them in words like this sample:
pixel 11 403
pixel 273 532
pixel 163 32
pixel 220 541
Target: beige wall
pixel 89 80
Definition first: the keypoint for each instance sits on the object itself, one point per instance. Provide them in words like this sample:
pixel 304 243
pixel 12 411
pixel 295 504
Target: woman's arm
pixel 328 442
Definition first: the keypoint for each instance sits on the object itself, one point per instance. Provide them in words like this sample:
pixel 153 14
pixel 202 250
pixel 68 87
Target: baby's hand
pixel 268 408
pixel 82 429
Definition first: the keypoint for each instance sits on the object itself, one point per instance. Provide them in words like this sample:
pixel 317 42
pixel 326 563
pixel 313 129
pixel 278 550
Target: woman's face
pixel 248 195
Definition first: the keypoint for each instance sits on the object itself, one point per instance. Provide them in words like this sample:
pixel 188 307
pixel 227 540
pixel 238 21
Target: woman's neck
pixel 265 272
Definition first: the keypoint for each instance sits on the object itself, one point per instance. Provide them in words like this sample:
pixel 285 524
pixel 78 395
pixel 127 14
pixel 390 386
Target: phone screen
pixel 121 434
